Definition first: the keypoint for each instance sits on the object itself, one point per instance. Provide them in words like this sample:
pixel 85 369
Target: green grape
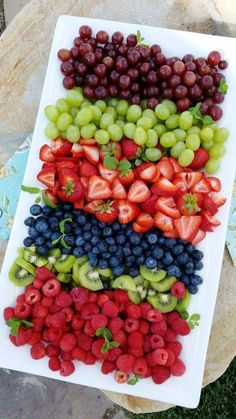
pixel 140 136
pixel 133 113
pixel 162 112
pixel 62 105
pixel 129 130
pixel 73 111
pixel 206 134
pixel 120 123
pixel 217 151
pixel 144 122
pixel 194 130
pixel 121 118
pixel 170 105
pixel 160 129
pixel 85 104
pixel 152 138
pixel 73 134
pixel 51 131
pixel 168 139
pixel 221 135
pixel 101 104
pixel 102 136
pixel 113 102
pixel 173 121
pixel 52 113
pixel 116 132
pixel 213 126
pixel 180 134
pixel 193 141
pixel 84 116
pixel 88 131
pixel 112 111
pixel 74 98
pixel 149 113
pixel 152 154
pixel 64 120
pixel 177 149
pixel 212 166
pixel 97 113
pixel 186 157
pixel 122 107
pixel 143 104
pixel 185 120
pixel 207 145
pixel 78 89
pixel 63 134
pixel 106 120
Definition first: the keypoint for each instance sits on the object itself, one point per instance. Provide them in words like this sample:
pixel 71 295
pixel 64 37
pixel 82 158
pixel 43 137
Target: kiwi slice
pixel 138 280
pixel 163 302
pixel 134 296
pixel 25 265
pixel 152 275
pixel 89 277
pixel 66 278
pixel 53 256
pixel 124 282
pixel 165 284
pixel 105 273
pixel 21 251
pixel 65 263
pixel 75 271
pixel 35 259
pixel 183 304
pixel 20 276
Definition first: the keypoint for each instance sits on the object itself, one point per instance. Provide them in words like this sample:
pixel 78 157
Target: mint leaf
pixel 124 165
pixel 47 201
pixel 62 224
pixel 30 189
pixel 57 240
pixel 223 88
pixel 63 243
pixel 207 120
pixel 191 325
pixel 105 347
pixel 107 334
pixel 195 317
pixel 138 36
pixel 184 314
pixel 195 111
pixel 115 344
pixel 37 200
pixel 100 331
pixel 26 323
pixel 110 162
pixel 132 381
pixel 138 162
pixel 14 325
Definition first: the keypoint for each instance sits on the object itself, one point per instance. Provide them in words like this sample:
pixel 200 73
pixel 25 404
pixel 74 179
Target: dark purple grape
pixel 174 81
pixel 178 67
pixel 170 61
pixel 164 85
pixel 194 92
pixel 117 38
pixel 198 78
pixel 215 112
pixel 98 54
pixel 135 87
pixel 144 52
pixel 183 104
pixel 181 91
pixel 103 81
pixel 93 42
pixel 100 92
pixel 123 49
pixel 111 54
pixel 214 58
pixel 90 59
pixel 144 93
pixel 79 80
pixel 109 62
pixel 200 61
pixel 217 78
pixel 209 102
pixel 219 97
pixel 206 82
pixel 92 80
pixel 168 93
pixel 78 41
pixel 68 82
pixel 165 72
pixel 204 108
pixel 125 94
pixel 189 78
pixel 160 58
pixel 190 66
pixel 124 82
pixel 114 76
pixel 81 68
pixel 204 69
pixel 133 73
pixel 67 68
pixel 109 46
pixel 74 52
pixel 155 49
pixel 84 48
pixel 100 70
pixel 223 64
pixel 131 39
pixel 153 91
pixel 144 68
pixel 133 57
pixel 153 65
pixel 112 90
pixel 121 65
pixel 102 37
pixel 89 92
pixel 85 32
pixel 211 92
pixel 187 58
pixel 135 100
pixel 212 71
pixel 152 102
pixel 152 77
pixel 64 54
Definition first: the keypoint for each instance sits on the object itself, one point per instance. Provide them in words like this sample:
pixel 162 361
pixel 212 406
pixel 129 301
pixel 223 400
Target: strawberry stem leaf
pixel 111 162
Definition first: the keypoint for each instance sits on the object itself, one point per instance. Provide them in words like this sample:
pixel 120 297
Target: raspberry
pixel 47 320
pixel 107 366
pixel 67 368
pixel 28 287
pixel 147 345
pixel 54 364
pixel 115 325
pixel 54 308
pixel 99 320
pixel 160 356
pixel 23 336
pixel 22 310
pixel 63 299
pixel 120 296
pixel 143 327
pixel 78 306
pixel 68 342
pixel 149 372
pixel 58 319
pixel 45 336
pixel 109 294
pixel 52 351
pixel 178 289
pixel 38 284
pixel 135 340
pixel 173 315
pixel 110 309
pixel 125 363
pixel 133 311
pixel 150 360
pixel 88 310
pixel 39 310
pixel 67 356
pixel 54 334
pixel 32 296
pixel 145 307
pixel 20 298
pixel 154 316
pixel 42 273
pixel 38 351
pixel 181 327
pixel 131 325
pixel 171 358
pixel 77 323
pixel 90 359
pixel 120 307
pixel 79 354
pixel 140 366
pixel 92 297
pixel 156 341
pixel 159 327
pixel 170 336
pixel 79 295
pixel 97 348
pixel 37 324
pixel 35 338
pixel 160 374
pixel 113 354
pixel 121 377
pixel 88 329
pixel 8 313
pixel 13 340
pixel 47 302
pixel 176 347
pixel 136 352
pixel 68 313
pixel 51 288
pixel 120 337
pixel 84 341
pixel 101 300
pixel 178 368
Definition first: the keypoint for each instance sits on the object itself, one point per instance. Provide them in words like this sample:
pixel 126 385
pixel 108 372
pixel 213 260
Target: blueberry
pixel 129 264
pixel 129 231
pixel 198 265
pixel 134 238
pixel 87 227
pixel 55 235
pixel 42 250
pixel 30 221
pixel 47 211
pixel 115 226
pixel 54 225
pixel 67 207
pixel 33 232
pixel 119 253
pixel 196 280
pixel 68 214
pixel 140 260
pixel 160 264
pixel 42 218
pixel 96 231
pixel 177 250
pixel 107 232
pixel 28 241
pixel 189 265
pixel 59 213
pixel 134 271
pixel 87 247
pixel 69 240
pixel 95 240
pixel 87 236
pixel 189 248
pixel 151 263
pixel 110 240
pixel 137 251
pixel 193 289
pixel 189 271
pixel 39 241
pixel 95 250
pixel 78 231
pixel 157 252
pixel 52 219
pixel 130 259
pixel 118 270
pixel 173 270
pixel 102 264
pixel 113 262
pixel 121 239
pixel 106 255
pixel 144 245
pixel 93 260
pixel 67 228
pixel 102 225
pixel 167 258
pixel 170 243
pixel 35 209
pixel 77 212
pixel 65 251
pixel 79 241
pixel 113 249
pixel 197 255
pixel 185 279
pixel 41 226
pixel 182 258
pixel 47 234
pixel 81 220
pixel 78 251
pixel 161 241
pixel 102 246
pixel 94 221
pixel 49 244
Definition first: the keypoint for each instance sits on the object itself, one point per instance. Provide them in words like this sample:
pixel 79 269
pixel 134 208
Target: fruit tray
pixel 185 390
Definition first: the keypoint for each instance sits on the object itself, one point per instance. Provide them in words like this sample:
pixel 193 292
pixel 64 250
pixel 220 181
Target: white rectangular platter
pixel 185 390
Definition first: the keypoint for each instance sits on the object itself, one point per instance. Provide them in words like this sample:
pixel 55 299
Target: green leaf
pixel 47 201
pixel 30 189
pixel 14 325
pixel 191 325
pixel 207 120
pixel 110 162
pixel 5 203
pixel 195 111
pixel 37 200
pixel 107 334
pixel 26 323
pixel 138 35
pixel 100 331
pixel 195 317
pixel 184 314
pixel 105 347
pixel 63 243
pixel 223 88
pixel 115 344
pixel 133 381
pixel 62 224
pixel 124 165
pixel 138 162
pixel 57 240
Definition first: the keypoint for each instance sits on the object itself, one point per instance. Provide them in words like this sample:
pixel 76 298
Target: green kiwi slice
pixel 53 256
pixel 65 263
pixel 138 280
pixel 20 276
pixel 105 273
pixel 75 270
pixel 183 304
pixel 124 282
pixel 152 275
pixel 89 277
pixel 25 265
pixel 35 259
pixel 163 302
pixel 165 284
pixel 134 296
pixel 66 278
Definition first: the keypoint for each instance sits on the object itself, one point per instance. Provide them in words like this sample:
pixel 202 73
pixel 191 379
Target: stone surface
pixel 24 49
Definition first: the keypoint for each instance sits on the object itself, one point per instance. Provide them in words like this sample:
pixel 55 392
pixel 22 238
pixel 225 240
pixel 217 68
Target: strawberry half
pixel 187 226
pixel 106 212
pixel 69 162
pixel 201 157
pixel 209 205
pixel 177 168
pixel 166 169
pixel 215 183
pixel 128 211
pixel 163 222
pixel 91 206
pixel 126 177
pixel 211 220
pixel 164 187
pixel 149 205
pixel 77 150
pixel 88 141
pixel 106 173
pixel 98 188
pixel 49 199
pixel 118 190
pixel 199 237
pixel 167 205
pixel 61 147
pixel 202 186
pixel 47 177
pixel 130 150
pixel 138 228
pixel 218 200
pixel 189 203
pixel 71 188
pixel 87 169
pixel 138 192
pixel 150 174
pixel 145 220
pixel 92 153
pixel 46 154
pixel 189 179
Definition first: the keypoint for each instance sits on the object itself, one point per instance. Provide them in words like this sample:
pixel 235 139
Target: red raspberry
pixel 54 364
pixel 79 295
pixel 160 356
pixel 8 313
pixel 181 327
pixel 113 354
pixel 84 341
pixel 42 273
pixel 22 310
pixel 65 328
pixel 40 311
pixel 58 319
pixel 32 296
pixel 68 342
pixel 51 288
pixel 78 306
pixel 77 323
pixel 135 340
pixel 38 284
pixel 131 325
pixel 150 360
pixel 98 321
pixel 90 359
pixel 23 336
pixel 63 299
pixel 110 309
pixel 97 348
pixel 120 296
pixel 178 289
pixel 101 300
pixel 147 344
pixel 38 351
pixel 54 334
pixel 170 336
pixel 156 341
pixel 20 298
pixel 160 374
pixel 47 320
pixel 45 336
pixel 133 311
pixel 140 367
pixel 109 294
pixel 149 372
pixel 67 356
pixel 176 347
pixel 29 287
pixel 107 366
pixel 120 337
pixel 154 316
pixel 79 354
pixel 88 329
pixel 125 363
pixel 145 307
pixel 143 327
pixel 13 340
pixel 171 358
pixel 92 297
pixel 37 324
pixel 88 310
pixel 68 313
pixel 54 308
pixel 115 325
pixel 35 338
pixel 173 315
pixel 159 327
pixel 136 352
pixel 121 377
pixel 178 368
pixel 47 302
pixel 120 306
pixel 67 368
pixel 52 351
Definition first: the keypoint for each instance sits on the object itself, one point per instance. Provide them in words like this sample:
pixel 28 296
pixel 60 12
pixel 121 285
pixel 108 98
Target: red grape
pixel 144 52
pixel 183 104
pixel 102 37
pixel 109 62
pixel 114 76
pixel 152 77
pixel 80 68
pixel 135 87
pixel 112 90
pixel 178 67
pixel 155 49
pixel 74 52
pixel 100 70
pixel 200 61
pixel 67 68
pixel 100 92
pixel 133 73
pixel 98 54
pixel 189 78
pixel 160 58
pixel 190 66
pixel 64 54
pixel 187 58
pixel 117 38
pixel 152 103
pixel 174 81
pixel 168 93
pixel 78 41
pixel 223 65
pixel 215 112
pixel 133 57
pixel 206 82
pixel 68 82
pixel 85 32
pixel 181 91
pixel 135 100
pixel 131 39
pixel 165 72
pixel 214 58
pixel 89 92
pixel 123 48
pixel 125 94
pixel 124 81
pixel 204 70
pixel 121 65
pixel 84 48
pixel 92 80
pixel 219 97
pixel 144 68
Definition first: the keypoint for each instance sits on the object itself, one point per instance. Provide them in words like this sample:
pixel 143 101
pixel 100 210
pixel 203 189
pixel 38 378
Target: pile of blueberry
pixel 113 245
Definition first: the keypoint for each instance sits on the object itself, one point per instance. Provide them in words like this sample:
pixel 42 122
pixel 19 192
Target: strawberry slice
pixel 199 237
pixel 163 222
pixel 202 186
pixel 91 206
pixel 79 204
pixel 77 150
pixel 164 187
pixel 106 212
pixel 211 220
pixel 189 178
pixel 166 169
pixel 151 173
pixel 49 198
pixel 128 211
pixel 46 154
pixel 138 192
pixel 138 228
pixel 98 188
pixel 118 190
pixel 70 163
pixel 145 220
pixel 141 168
pixel 177 168
pixel 84 180
pixel 50 166
pixel 215 183
pixel 71 188
pixel 201 157
pixel 127 177
pixel 173 234
pixel 209 205
pixel 187 227
pixel 167 205
pixel 149 205
pixel 180 184
pixel 206 226
pixel 106 173
pixel 218 200
pixel 92 153
pixel 87 169
pixel 61 147
pixel 89 141
pixel 189 204
pixel 47 177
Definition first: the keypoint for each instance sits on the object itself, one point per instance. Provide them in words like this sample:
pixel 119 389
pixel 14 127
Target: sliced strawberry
pixel 92 153
pixel 187 227
pixel 209 205
pixel 206 226
pixel 141 168
pixel 201 157
pixel 189 203
pixel 106 212
pixel 177 168
pixel 77 150
pixel 91 206
pixel 47 177
pixel 126 178
pixel 89 141
pixel 56 187
pixel 202 186
pixel 218 200
pixel 163 222
pixel 149 205
pixel 118 190
pixel 138 192
pixel 189 178
pixel 71 188
pixel 167 205
pixel 128 211
pixel 173 234
pixel 87 169
pixel 69 163
pixel 130 150
pixel 49 198
pixel 84 180
pixel 111 149
pixel 150 174
pixel 106 173
pixel 199 237
pixel 61 147
pixel 145 220
pixel 98 188
pixel 49 166
pixel 138 228
pixel 215 183
pixel 164 187
pixel 180 184
pixel 166 169
pixel 46 154
pixel 212 220
pixel 79 204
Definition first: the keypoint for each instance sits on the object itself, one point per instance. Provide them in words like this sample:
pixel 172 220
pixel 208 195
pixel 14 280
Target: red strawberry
pixel 163 222
pixel 49 199
pixel 166 169
pixel 145 220
pixel 212 220
pixel 202 186
pixel 206 226
pixel 167 205
pixel 92 153
pixel 219 201
pixel 50 166
pixel 91 206
pixel 128 211
pixel 180 326
pixel 61 147
pixel 106 212
pixel 150 174
pixel 84 180
pixel 138 192
pixel 98 188
pixel 138 228
pixel 111 149
pixel 126 177
pixel 47 177
pixel 71 189
pixel 46 154
pixel 149 205
pixel 79 204
pixel 77 150
pixel 189 204
pixel 118 190
pixel 187 226
pixel 177 168
pixel 209 205
pixel 87 169
pixel 215 183
pixel 89 141
pixel 106 173
pixel 173 234
pixel 189 179
pixel 141 168
pixel 130 150
pixel 164 187
pixel 199 237
pixel 201 157
pixel 67 162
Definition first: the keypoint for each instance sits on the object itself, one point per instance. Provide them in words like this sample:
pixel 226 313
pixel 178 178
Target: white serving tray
pixel 185 390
